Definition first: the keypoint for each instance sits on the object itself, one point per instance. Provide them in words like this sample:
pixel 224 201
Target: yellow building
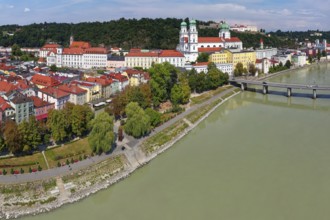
pixel 93 89
pixel 219 57
pixel 227 56
pixel 245 57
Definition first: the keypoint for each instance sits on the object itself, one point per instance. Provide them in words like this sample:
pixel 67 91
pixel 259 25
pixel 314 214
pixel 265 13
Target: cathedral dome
pixel 224 25
pixel 183 23
pixel 192 22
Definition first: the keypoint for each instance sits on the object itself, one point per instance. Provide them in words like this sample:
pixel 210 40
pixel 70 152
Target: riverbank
pixel 75 186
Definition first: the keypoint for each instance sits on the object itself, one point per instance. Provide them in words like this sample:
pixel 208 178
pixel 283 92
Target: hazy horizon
pixel 296 15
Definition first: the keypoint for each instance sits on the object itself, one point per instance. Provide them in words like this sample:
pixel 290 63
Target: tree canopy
pixel 101 137
pixel 138 122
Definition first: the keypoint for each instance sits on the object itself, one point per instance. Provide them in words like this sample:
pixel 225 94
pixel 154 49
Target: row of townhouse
pixel 19 99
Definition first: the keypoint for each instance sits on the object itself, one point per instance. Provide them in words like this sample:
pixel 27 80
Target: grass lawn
pixel 156 141
pixel 23 162
pixel 197 114
pixel 71 150
pixel 206 95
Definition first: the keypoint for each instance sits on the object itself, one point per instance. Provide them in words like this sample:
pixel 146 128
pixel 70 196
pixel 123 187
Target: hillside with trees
pixel 127 33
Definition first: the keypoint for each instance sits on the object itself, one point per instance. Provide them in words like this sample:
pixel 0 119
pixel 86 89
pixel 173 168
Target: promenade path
pixel 131 142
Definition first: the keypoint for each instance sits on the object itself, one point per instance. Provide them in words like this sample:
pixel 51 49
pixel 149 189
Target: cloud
pixel 27 9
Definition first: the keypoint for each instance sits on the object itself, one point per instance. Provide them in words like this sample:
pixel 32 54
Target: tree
pixel 53 68
pixel 16 50
pixel 324 53
pixel 138 122
pixel 213 76
pixel 192 79
pixel 12 137
pixel 101 137
pixel 288 64
pixel 203 57
pixel 155 116
pixel 2 143
pixel 31 134
pixel 238 71
pixel 318 55
pixel 81 116
pixel 57 123
pixel 163 77
pixel 252 69
pixel 310 59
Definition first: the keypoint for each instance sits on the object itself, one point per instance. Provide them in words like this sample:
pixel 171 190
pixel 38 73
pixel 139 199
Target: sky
pixel 271 15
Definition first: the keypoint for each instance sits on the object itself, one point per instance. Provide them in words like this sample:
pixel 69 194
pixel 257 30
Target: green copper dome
pixel 183 23
pixel 192 22
pixel 224 25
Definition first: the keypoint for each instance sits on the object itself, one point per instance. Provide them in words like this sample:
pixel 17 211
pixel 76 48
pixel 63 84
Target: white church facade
pixel 190 44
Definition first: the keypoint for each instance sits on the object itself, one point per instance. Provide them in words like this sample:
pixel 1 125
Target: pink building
pixel 41 108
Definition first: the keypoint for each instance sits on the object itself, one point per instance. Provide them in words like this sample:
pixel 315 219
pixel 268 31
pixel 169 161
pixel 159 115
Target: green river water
pixel 255 158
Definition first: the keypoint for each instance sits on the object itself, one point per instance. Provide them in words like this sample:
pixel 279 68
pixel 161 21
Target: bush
pixel 11 171
pixel 30 170
pixel 4 172
pixel 80 158
pixel 58 157
pixel 39 168
pixel 59 164
pixel 67 162
pixel 72 161
pixel 22 171
pixel 85 157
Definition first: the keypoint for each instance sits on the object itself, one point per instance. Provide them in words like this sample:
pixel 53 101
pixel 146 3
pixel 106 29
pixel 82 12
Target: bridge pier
pixel 265 89
pixel 289 92
pixel 314 93
pixel 243 86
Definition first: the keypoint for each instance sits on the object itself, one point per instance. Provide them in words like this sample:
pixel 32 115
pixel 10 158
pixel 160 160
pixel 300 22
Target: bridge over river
pixel 265 85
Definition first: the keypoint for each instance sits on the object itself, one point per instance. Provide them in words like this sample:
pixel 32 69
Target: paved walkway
pixel 130 141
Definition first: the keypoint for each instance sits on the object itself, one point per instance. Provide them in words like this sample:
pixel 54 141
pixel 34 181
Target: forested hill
pixel 126 33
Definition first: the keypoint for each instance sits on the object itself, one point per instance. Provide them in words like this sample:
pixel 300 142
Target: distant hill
pixel 126 33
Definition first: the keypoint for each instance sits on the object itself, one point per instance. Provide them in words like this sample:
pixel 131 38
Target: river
pixel 257 157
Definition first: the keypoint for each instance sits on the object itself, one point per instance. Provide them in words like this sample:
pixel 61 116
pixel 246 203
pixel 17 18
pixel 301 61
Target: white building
pixel 189 42
pixel 80 54
pixel 202 67
pixel 263 65
pixel 145 58
pixel 265 52
pixel 244 28
pixel 299 59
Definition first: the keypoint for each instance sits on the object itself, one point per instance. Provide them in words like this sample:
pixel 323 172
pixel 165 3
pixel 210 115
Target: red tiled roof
pixel 3 104
pixel 54 92
pixel 80 44
pixel 82 83
pixel 118 77
pixel 74 89
pixel 22 84
pixel 103 82
pixel 96 50
pixel 42 80
pixel 133 72
pixel 50 46
pixel 233 39
pixel 142 54
pixel 6 86
pixel 170 53
pixel 155 53
pixel 72 50
pixel 38 102
pixel 209 49
pixel 201 64
pixel 210 40
pixel 41 60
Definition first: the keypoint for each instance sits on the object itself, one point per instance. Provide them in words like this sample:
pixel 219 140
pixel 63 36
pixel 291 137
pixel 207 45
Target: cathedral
pixel 190 44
